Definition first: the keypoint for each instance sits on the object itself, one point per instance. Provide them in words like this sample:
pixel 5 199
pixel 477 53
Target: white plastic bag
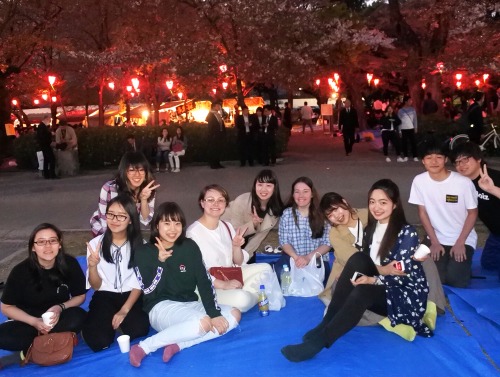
pixel 307 281
pixel 273 290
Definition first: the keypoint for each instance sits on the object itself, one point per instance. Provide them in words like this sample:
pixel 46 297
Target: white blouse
pixel 376 240
pixel 216 245
pixel 118 277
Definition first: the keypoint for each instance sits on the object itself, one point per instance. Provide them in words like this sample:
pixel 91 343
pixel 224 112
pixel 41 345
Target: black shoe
pixel 303 351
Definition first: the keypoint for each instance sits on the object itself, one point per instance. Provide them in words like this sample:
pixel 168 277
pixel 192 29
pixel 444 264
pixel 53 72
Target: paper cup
pixel 124 343
pixel 47 318
pixel 421 252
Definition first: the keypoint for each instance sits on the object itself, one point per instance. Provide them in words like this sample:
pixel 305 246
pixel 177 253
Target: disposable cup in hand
pixel 47 318
pixel 124 343
pixel 421 252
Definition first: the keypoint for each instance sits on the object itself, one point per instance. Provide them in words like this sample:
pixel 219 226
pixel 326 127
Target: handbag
pixel 177 147
pixel 51 349
pixel 307 281
pixel 227 273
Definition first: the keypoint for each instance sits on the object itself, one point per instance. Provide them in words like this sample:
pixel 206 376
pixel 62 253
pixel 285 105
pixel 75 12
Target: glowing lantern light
pixel 485 77
pixel 223 68
pixel 135 83
pixel 52 80
pixel 458 76
pixel 424 85
pixel 224 85
pixel 330 81
pixel 45 96
pixel 214 91
pixel 179 95
pixel 111 85
pixel 369 77
pixel 36 101
pixel 318 81
pixel 54 99
pixel 376 81
pixel 440 67
pixel 459 84
pixel 336 77
pixel 477 82
pixel 132 94
pixel 129 88
pixel 145 114
pixel 14 102
pixel 170 84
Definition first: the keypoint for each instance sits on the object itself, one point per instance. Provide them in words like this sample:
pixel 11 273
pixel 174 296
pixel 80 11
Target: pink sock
pixel 170 351
pixel 136 355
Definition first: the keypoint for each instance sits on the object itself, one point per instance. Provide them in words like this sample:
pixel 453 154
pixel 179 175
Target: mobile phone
pixel 400 265
pixel 356 276
pixel 318 262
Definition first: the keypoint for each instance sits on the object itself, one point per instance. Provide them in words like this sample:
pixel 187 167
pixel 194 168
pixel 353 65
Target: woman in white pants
pixel 220 245
pixel 178 148
pixel 170 269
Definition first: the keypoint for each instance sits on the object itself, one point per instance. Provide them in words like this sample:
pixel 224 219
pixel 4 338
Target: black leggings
pixel 349 302
pixel 18 336
pixel 98 330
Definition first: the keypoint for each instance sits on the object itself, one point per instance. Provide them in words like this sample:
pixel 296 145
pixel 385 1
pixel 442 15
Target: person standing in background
pixel 348 123
pixel 408 127
pixel 306 114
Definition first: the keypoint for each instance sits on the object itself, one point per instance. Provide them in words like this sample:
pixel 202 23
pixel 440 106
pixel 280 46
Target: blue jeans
pixel 490 258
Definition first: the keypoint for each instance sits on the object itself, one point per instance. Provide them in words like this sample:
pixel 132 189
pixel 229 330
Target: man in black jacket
pixel 216 135
pixel 348 122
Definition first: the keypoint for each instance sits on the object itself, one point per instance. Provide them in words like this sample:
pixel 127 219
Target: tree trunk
pixel 101 104
pixel 239 92
pixel 53 112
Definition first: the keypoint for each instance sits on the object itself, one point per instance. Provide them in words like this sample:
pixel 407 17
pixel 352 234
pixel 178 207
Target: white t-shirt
pixel 446 203
pixel 306 112
pixel 376 241
pixel 125 280
pixel 408 118
pixel 216 245
pixel 357 232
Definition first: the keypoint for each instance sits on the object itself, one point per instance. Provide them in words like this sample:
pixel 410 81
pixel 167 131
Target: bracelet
pixel 62 306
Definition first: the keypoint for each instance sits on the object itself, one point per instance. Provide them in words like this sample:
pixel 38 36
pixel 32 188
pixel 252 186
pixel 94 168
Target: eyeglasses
pixel 112 216
pixel 462 161
pixel 50 241
pixel 136 170
pixel 212 201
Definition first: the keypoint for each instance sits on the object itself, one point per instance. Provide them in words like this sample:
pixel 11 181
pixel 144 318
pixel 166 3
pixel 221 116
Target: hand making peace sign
pixel 238 239
pixel 163 254
pixel 146 192
pixel 485 182
pixel 94 258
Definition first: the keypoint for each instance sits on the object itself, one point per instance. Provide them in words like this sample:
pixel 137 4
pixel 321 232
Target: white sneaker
pixel 177 170
pixel 387 159
pixel 157 170
pixel 400 159
pixel 415 159
pixel 405 159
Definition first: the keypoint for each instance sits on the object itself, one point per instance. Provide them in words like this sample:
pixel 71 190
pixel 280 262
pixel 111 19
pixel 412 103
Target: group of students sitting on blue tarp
pixel 165 283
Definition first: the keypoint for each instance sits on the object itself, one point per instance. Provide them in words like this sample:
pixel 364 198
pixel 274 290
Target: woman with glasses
pixel 221 246
pixel 48 280
pixel 134 178
pixel 259 210
pixel 116 302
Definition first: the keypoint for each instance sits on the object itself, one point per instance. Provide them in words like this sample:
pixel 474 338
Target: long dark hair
pixel 316 218
pixel 168 138
pixel 331 201
pixel 168 211
pixel 182 133
pixel 134 160
pixel 134 235
pixel 58 274
pixel 275 204
pixel 396 222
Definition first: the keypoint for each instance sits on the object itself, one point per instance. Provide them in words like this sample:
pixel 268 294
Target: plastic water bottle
pixel 286 280
pixel 263 302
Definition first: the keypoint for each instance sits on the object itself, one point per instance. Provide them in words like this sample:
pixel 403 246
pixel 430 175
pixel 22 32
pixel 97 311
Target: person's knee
pixel 236 315
pixel 96 340
pixel 244 301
